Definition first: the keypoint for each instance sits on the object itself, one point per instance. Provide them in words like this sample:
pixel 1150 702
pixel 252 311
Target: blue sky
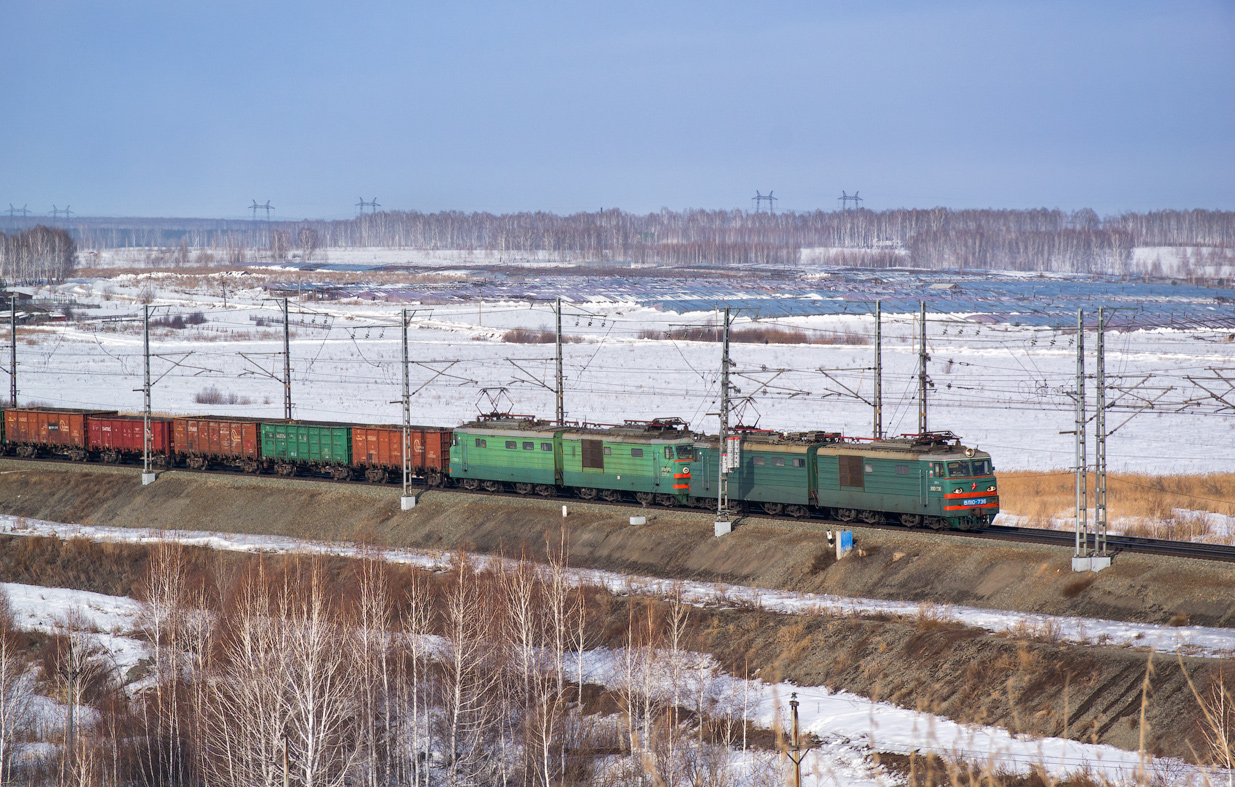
pixel 194 109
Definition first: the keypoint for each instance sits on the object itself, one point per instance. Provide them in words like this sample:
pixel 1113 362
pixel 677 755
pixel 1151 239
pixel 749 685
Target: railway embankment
pixel 921 566
pixel 1029 682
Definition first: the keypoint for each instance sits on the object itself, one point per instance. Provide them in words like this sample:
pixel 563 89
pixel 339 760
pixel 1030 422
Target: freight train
pixel 929 480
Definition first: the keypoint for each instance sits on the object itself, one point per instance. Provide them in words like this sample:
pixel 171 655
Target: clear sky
pixel 194 109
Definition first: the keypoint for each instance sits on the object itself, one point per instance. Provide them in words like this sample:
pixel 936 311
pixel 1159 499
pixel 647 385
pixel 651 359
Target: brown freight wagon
pixel 203 440
pixel 118 438
pixel 49 430
pixel 378 450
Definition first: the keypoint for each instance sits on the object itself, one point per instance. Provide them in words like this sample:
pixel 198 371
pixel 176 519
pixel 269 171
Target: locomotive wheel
pixel 523 489
pixel 936 522
pixel 470 484
pixel 797 512
pixel 644 497
pixel 911 520
pixel 846 514
pixel 610 495
pixel 545 490
pixel 773 509
pixel 871 517
pixel 434 478
pixel 587 493
pixel 668 501
pixel 492 486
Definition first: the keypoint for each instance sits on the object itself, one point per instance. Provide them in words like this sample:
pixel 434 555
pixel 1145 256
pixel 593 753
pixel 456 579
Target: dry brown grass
pixel 1151 498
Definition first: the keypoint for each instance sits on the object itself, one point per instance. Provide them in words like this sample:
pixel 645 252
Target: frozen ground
pixel 850 727
pixel 1004 388
pixel 1190 640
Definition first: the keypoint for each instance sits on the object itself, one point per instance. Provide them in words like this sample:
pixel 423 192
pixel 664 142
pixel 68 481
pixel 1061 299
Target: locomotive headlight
pixel 685 471
pixel 958 491
pixel 991 488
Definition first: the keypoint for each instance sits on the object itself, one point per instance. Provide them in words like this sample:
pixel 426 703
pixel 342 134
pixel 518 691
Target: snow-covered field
pixel 1003 388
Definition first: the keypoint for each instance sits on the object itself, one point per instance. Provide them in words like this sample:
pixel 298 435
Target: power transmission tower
pixel 55 212
pixel 878 396
pixel 268 208
pixel 759 199
pixel 287 364
pixel 372 206
pixel 845 199
pixel 922 379
pixel 254 207
pixel 67 213
pixel 561 406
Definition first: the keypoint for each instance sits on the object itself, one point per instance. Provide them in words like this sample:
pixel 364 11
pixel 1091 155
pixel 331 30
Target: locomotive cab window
pixel 778 461
pixel 608 450
pixel 636 452
pixel 799 462
pixel 936 469
pixel 686 452
pixel 982 467
pixel 958 469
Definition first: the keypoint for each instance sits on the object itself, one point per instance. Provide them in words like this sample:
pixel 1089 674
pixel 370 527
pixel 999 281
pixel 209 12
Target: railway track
pixel 1062 538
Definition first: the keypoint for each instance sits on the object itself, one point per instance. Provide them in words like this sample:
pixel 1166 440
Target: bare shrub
pixel 761 334
pixel 212 395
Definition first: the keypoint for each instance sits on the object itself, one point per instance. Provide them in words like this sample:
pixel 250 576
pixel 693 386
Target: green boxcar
pixel 506 451
pixel 307 444
pixel 646 459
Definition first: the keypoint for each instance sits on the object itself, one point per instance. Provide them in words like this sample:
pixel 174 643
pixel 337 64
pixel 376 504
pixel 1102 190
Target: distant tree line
pixel 37 255
pixel 1033 240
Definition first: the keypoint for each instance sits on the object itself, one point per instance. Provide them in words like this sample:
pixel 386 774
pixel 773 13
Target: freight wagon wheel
pixel 377 475
pixel 158 463
pixel 846 514
pixel 544 490
pixel 871 517
pixel 470 484
pixel 78 455
pixel 492 486
pixel 911 520
pixel 773 509
pixel 111 457
pixel 587 493
pixel 611 495
pixel 523 489
pixel 434 479
pixel 196 462
pixel 340 473
pixel 285 469
pixel 27 451
pixel 668 501
pixel 797 512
